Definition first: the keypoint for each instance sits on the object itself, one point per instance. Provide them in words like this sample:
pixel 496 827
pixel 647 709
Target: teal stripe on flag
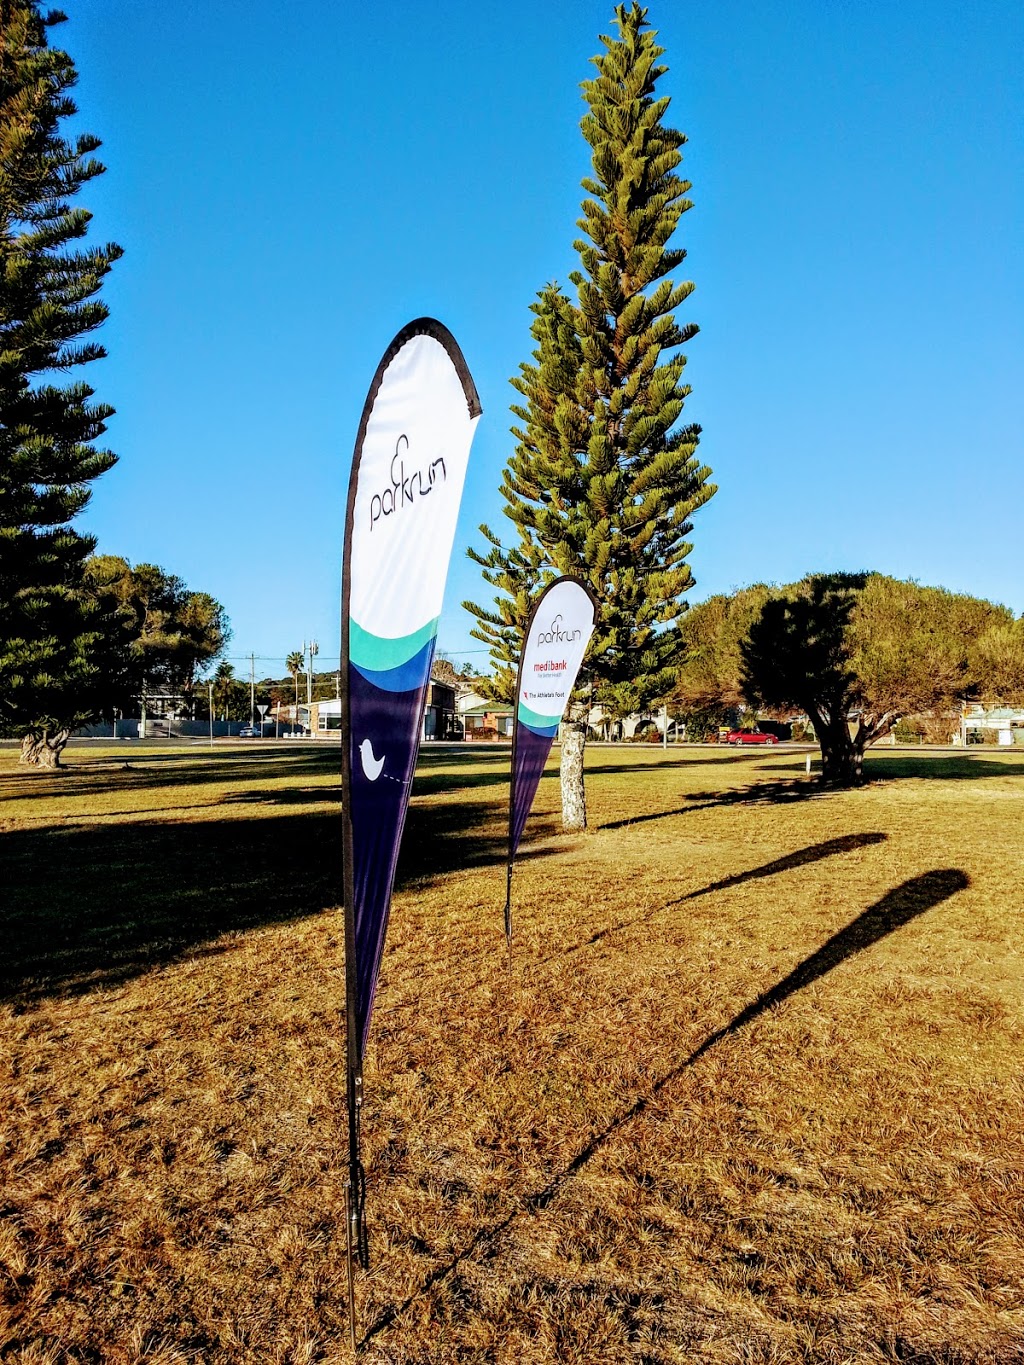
pixel 535 719
pixel 379 654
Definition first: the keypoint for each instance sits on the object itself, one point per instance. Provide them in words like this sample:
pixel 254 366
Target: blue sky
pixel 291 186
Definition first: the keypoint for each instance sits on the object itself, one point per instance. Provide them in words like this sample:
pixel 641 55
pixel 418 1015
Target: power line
pixel 278 658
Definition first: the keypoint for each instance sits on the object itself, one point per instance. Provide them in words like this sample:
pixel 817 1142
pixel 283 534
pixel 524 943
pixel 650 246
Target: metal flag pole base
pixel 508 917
pixel 353 1328
pixel 357 1247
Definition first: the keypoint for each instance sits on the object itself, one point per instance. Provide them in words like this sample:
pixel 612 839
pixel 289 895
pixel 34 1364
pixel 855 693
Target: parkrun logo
pixel 405 488
pixel 556 635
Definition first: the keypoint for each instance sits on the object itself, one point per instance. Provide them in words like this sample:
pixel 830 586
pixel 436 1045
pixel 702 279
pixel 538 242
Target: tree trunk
pixel 574 796
pixel 842 757
pixel 43 748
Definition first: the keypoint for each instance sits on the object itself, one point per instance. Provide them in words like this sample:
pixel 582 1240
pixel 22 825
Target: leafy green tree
pixel 177 632
pixel 294 664
pixel 55 649
pixel 856 652
pixel 232 698
pixel 796 654
pixel 709 678
pixel 223 685
pixel 604 478
pixel 998 660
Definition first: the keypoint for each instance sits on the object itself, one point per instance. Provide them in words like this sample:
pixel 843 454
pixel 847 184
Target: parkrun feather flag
pixel 404 493
pixel 557 636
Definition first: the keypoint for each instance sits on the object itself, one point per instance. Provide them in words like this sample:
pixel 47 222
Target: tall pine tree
pixel 55 637
pixel 604 478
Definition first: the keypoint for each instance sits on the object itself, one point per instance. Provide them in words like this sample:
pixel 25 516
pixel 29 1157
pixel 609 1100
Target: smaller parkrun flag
pixel 404 494
pixel 557 636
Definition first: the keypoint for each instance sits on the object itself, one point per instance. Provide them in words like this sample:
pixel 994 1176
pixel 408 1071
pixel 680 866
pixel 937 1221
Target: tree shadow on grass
pixel 891 767
pixel 684 760
pixel 98 776
pixel 896 908
pixel 93 905
pixel 788 790
pixel 438 773
pixel 814 853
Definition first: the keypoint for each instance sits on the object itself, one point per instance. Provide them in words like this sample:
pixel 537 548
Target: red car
pixel 750 737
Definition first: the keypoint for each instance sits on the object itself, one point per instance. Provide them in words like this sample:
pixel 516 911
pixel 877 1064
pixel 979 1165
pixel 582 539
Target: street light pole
pixel 210 686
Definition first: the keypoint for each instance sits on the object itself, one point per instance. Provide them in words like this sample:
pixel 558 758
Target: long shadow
pixel 756 794
pixel 93 775
pixel 846 843
pixel 790 790
pixel 681 760
pixel 897 908
pixel 100 776
pixel 85 775
pixel 92 905
pixel 890 767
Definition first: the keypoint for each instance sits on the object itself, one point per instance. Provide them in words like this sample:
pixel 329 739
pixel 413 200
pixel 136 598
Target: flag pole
pixel 512 779
pixel 356 1242
pixel 355 1235
pixel 511 820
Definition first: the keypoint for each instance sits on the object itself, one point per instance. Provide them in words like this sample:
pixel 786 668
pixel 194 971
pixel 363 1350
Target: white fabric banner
pixel 554 650
pixel 413 465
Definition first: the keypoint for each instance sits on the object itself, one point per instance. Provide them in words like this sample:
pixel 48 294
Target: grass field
pixel 751 1092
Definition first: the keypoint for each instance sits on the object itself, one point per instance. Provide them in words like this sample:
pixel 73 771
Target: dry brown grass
pixel 752 1092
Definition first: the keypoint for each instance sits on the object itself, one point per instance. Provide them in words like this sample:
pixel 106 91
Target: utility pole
pixel 210 686
pixel 314 649
pixel 252 689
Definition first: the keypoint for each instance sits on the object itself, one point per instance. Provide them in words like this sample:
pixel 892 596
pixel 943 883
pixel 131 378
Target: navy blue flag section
pixel 405 490
pixel 557 635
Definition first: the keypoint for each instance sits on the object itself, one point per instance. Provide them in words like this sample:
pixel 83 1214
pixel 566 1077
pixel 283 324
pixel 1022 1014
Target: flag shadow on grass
pixel 757 794
pixel 845 843
pixel 898 907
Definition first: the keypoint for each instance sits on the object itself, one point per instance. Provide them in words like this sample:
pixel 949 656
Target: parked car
pixel 249 732
pixel 750 737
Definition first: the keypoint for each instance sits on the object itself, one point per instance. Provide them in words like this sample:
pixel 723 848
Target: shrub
pixel 908 731
pixel 702 722
pixel 925 729
pixel 484 732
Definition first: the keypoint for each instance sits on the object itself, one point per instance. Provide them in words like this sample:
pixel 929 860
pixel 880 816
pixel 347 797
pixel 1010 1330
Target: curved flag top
pixel 557 636
pixel 404 493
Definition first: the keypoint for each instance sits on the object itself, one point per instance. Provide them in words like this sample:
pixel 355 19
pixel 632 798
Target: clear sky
pixel 293 184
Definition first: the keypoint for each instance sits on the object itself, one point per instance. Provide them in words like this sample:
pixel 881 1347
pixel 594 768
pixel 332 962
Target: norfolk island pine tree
pixel 58 644
pixel 604 478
